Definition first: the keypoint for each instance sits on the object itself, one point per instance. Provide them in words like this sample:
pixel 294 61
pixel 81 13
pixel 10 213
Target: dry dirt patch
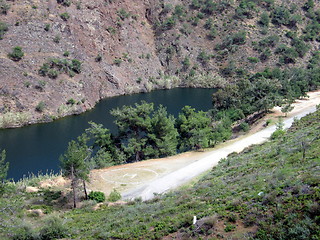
pixel 130 177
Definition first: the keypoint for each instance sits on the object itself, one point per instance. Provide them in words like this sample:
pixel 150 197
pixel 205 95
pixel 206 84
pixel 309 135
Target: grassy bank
pixel 269 191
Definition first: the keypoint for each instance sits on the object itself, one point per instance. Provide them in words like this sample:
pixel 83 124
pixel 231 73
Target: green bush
pixel 3 29
pixel 65 3
pixel 16 54
pixel 47 27
pixel 253 59
pixel 4 7
pixel 53 228
pixel 264 19
pixel 65 16
pixel 244 126
pixel 71 101
pixel 114 196
pixel 117 61
pixel 97 196
pixel 41 106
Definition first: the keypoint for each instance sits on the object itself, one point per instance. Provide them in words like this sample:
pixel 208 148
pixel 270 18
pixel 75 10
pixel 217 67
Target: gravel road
pixel 185 174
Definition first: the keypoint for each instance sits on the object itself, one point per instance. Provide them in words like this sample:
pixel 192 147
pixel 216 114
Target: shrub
pixel 3 29
pixel 57 39
pixel 71 101
pixel 117 61
pixel 41 106
pixel 16 54
pixel 97 196
pixel 264 19
pixel 244 126
pixel 52 73
pixel 123 14
pixel 65 3
pixel 54 66
pixel 53 228
pixel 66 54
pixel 98 58
pixel 253 59
pixel 65 16
pixel 114 196
pixel 4 7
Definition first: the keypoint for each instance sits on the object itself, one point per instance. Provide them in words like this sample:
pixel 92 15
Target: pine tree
pixel 4 167
pixel 74 165
pixel 162 138
pixel 133 125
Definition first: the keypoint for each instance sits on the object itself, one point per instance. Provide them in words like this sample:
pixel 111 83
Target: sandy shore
pixel 143 179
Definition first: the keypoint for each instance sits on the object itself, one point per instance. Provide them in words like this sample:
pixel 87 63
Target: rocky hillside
pixel 59 57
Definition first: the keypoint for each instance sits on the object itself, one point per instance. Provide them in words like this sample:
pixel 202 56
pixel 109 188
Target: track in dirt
pixel 156 176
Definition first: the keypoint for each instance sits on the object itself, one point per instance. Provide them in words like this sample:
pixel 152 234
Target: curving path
pixel 183 169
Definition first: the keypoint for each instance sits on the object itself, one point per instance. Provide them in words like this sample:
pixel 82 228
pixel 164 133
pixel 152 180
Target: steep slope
pixel 121 48
pixel 269 191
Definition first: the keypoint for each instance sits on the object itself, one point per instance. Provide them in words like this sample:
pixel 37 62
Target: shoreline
pixel 142 179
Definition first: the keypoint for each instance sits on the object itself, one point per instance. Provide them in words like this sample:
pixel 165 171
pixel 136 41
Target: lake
pixel 36 148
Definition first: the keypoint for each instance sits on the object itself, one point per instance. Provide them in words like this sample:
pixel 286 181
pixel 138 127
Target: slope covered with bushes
pixel 269 191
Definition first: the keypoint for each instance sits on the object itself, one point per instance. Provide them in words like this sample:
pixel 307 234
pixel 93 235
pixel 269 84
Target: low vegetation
pixel 267 191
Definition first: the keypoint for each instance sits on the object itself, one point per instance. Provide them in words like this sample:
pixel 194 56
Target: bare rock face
pixel 79 52
pixel 111 40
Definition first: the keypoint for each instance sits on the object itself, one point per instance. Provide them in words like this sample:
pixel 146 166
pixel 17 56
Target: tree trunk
pixel 85 189
pixel 73 185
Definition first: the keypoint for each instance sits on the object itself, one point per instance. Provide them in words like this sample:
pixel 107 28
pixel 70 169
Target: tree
pixel 162 137
pixel 74 165
pixel 4 167
pixel 194 129
pixel 134 123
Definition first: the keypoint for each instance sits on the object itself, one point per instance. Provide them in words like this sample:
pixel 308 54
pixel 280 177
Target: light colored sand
pixel 143 179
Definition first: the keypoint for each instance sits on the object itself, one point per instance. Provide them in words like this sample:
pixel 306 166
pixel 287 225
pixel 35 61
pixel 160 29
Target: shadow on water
pixel 37 148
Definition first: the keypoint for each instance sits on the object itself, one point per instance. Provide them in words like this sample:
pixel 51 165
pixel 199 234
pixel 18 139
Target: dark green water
pixel 37 148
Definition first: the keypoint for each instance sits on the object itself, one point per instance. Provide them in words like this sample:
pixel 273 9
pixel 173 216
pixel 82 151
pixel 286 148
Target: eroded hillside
pixel 74 53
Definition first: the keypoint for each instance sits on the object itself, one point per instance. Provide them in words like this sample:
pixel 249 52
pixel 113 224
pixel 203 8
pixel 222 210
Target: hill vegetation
pixel 269 191
pixel 54 51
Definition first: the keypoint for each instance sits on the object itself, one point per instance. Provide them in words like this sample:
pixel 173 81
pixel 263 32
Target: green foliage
pixel 4 167
pixel 47 27
pixel 71 101
pixel 123 14
pixel 264 20
pixel 244 127
pixel 55 66
pixel 194 129
pixel 245 9
pixel 73 161
pixel 57 39
pixel 282 16
pixel 253 59
pixel 41 106
pixel 53 228
pixel 65 16
pixel 3 29
pixel 16 54
pixel 287 54
pixel 97 196
pixel 66 54
pixel 117 61
pixel 65 3
pixel 229 42
pixel 287 206
pixel 114 196
pixel 4 7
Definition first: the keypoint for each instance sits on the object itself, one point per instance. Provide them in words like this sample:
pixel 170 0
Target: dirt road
pixel 143 179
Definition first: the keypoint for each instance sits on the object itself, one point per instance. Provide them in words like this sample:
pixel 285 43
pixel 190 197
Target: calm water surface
pixel 36 148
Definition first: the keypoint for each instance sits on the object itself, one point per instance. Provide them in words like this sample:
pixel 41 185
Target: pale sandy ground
pixel 143 179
